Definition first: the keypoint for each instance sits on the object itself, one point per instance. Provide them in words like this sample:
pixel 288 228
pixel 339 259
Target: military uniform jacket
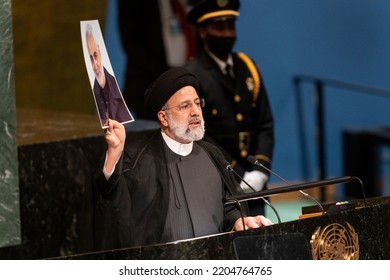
pixel 131 207
pixel 237 118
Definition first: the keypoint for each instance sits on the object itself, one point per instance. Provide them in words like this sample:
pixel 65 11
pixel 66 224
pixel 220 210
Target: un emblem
pixel 335 242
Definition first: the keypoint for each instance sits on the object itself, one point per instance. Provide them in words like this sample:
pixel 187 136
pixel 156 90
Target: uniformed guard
pixel 237 113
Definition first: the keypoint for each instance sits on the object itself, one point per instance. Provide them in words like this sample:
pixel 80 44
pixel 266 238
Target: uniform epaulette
pixel 255 74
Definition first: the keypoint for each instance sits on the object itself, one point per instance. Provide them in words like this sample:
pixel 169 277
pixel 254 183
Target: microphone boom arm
pixel 289 188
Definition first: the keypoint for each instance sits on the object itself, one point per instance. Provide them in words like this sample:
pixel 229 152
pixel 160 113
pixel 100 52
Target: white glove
pixel 255 179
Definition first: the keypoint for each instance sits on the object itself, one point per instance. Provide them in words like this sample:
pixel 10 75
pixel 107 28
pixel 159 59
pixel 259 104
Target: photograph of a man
pixel 108 97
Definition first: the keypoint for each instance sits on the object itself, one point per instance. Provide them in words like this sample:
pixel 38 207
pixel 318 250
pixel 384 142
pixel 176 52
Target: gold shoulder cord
pixel 256 89
pixel 254 73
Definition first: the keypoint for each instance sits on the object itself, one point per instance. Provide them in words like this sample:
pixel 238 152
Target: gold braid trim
pixel 218 14
pixel 255 74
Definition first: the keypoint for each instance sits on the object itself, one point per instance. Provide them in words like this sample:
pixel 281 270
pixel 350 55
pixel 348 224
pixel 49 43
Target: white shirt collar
pixel 176 147
pixel 221 63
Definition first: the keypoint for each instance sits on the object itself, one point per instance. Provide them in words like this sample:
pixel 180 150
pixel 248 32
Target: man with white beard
pixel 108 97
pixel 168 184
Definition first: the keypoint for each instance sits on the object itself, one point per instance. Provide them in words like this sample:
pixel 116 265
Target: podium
pixel 360 233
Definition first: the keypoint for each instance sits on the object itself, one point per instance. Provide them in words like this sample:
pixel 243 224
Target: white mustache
pixel 195 120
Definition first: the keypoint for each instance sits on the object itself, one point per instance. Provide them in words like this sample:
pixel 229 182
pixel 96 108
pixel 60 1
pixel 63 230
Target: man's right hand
pixel 115 136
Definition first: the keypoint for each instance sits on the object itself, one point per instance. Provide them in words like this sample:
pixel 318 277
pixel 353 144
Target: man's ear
pixel 162 117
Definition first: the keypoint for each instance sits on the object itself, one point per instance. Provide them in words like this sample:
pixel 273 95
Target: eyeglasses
pixel 186 106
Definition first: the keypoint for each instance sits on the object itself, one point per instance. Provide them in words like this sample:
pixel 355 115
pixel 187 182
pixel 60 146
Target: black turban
pixel 159 92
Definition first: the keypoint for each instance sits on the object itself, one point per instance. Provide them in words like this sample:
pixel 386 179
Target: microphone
pixel 254 161
pixel 228 167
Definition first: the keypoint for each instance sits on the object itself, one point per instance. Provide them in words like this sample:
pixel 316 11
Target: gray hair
pixel 89 31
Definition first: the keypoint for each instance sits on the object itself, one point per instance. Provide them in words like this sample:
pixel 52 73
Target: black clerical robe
pixel 196 189
pixel 131 208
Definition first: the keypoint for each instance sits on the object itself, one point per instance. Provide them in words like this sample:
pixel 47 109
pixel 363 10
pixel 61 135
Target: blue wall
pixel 346 40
